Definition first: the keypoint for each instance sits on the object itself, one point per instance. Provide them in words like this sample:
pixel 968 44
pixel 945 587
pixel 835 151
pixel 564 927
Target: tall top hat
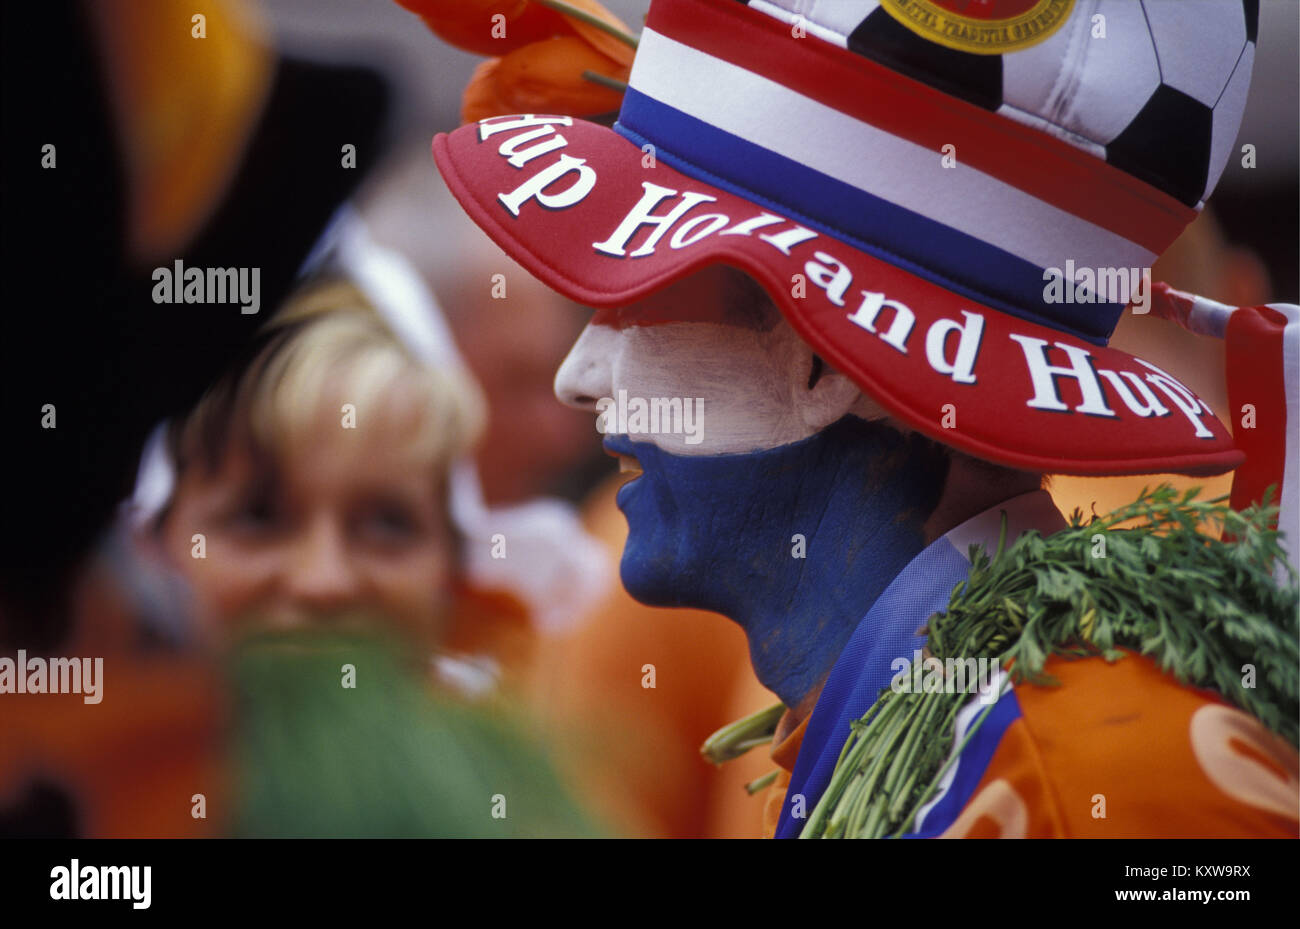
pixel 951 201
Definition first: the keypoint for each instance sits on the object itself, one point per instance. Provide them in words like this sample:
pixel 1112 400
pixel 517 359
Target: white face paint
pixel 710 365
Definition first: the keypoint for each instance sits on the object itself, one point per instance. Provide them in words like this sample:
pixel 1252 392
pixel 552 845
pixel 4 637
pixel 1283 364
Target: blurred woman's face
pixel 348 523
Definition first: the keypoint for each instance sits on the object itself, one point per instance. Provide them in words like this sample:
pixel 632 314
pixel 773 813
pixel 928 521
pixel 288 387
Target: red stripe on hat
pixel 1255 376
pixel 1040 165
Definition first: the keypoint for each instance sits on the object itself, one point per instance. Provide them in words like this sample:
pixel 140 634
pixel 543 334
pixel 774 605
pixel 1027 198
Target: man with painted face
pixel 790 458
pixel 818 241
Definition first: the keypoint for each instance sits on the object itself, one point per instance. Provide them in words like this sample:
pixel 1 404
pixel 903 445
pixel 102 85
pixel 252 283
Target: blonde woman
pixel 311 483
pixel 315 484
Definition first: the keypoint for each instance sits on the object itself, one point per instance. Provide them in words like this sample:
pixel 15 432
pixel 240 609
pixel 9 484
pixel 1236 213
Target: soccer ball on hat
pixel 1154 87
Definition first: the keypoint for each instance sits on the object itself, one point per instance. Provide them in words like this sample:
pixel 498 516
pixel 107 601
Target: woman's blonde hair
pixel 328 345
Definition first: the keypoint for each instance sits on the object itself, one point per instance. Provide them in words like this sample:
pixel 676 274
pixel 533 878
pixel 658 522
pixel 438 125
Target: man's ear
pixel 821 394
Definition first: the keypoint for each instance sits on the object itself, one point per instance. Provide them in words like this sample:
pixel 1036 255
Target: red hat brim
pixel 991 418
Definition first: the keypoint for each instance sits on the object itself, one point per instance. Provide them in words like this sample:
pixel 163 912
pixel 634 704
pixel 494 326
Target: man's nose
pixel 586 375
pixel 320 575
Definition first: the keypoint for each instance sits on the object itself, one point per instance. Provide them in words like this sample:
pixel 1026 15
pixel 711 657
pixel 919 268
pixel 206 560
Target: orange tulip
pixel 611 45
pixel 481 98
pixel 544 77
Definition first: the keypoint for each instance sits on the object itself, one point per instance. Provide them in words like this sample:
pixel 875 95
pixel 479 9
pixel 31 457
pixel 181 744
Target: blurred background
pixel 523 670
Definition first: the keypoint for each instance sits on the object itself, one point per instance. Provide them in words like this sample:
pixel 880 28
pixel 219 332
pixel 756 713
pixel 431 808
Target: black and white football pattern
pixel 1160 96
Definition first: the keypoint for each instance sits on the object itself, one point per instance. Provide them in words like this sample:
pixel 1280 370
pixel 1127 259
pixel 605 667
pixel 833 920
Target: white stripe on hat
pixel 781 120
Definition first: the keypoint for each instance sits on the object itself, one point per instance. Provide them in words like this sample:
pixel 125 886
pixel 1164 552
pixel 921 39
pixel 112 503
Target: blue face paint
pixel 716 533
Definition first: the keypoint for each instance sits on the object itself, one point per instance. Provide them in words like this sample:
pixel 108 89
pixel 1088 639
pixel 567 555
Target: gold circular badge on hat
pixel 984 27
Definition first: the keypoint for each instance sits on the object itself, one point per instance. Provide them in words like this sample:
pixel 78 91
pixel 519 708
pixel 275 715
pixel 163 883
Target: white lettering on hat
pixel 510 147
pixel 1148 406
pixel 535 186
pixel 784 241
pixel 899 329
pixel 1044 374
pixel 749 226
pixel 1182 398
pixel 641 215
pixel 682 237
pixel 962 368
pixel 688 234
pixel 487 127
pixel 835 281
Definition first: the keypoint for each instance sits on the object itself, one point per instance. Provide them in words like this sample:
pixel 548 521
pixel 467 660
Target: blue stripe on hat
pixel 931 250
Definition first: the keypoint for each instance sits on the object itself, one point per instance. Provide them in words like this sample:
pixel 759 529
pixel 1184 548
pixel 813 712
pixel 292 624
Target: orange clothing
pixel 1124 751
pixel 784 753
pixel 1118 750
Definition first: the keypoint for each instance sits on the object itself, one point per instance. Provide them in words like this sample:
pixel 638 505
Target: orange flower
pixel 544 77
pixel 616 48
pixel 549 51
pixel 482 98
